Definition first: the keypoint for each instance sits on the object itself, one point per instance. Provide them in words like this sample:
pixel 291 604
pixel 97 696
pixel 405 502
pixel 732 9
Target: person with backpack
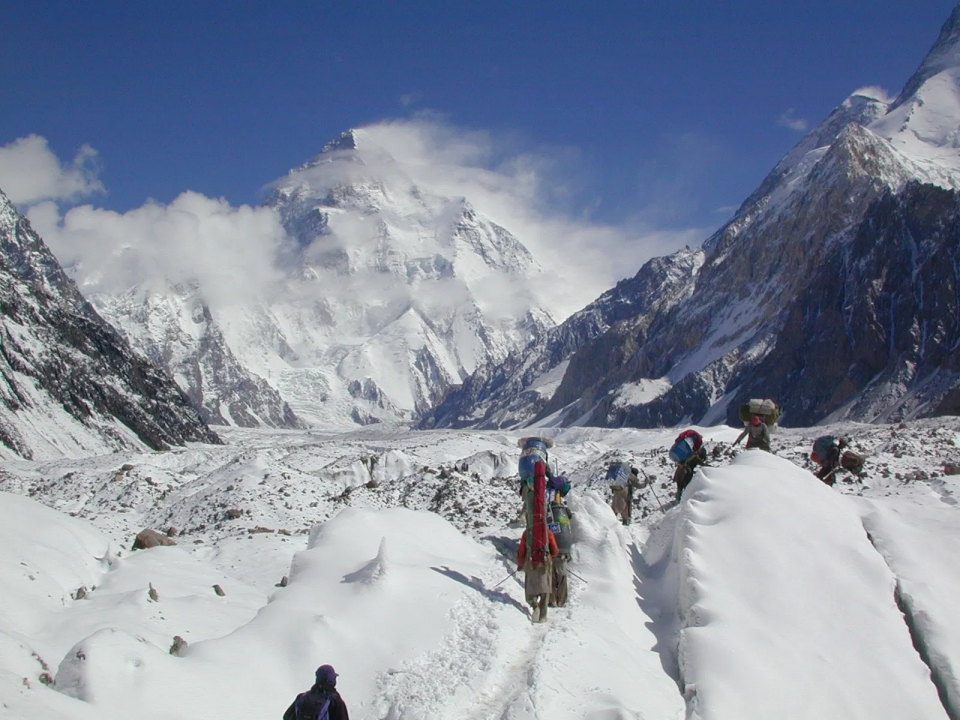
pixel 687 452
pixel 321 702
pixel 757 434
pixel 537 573
pixel 830 454
pixel 559 523
pixel 622 500
pixel 684 472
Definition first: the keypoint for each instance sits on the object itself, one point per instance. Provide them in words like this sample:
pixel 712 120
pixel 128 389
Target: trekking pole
pixel 832 472
pixel 575 575
pixel 505 579
pixel 650 485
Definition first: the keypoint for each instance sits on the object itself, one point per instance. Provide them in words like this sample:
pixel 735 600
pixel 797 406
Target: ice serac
pixel 71 384
pixel 834 287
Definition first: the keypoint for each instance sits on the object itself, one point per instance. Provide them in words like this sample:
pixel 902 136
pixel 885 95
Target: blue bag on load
pixel 682 449
pixel 618 474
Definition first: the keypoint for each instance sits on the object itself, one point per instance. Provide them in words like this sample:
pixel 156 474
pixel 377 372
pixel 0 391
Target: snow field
pixel 787 609
pixel 920 541
pixel 760 588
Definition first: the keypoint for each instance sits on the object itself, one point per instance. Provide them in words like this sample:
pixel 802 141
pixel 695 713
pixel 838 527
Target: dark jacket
pixel 308 705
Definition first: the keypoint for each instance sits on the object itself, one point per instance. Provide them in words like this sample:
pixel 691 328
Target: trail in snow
pixel 737 587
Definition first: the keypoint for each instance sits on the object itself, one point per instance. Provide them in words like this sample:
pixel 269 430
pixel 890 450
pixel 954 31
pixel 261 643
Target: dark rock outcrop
pixel 60 363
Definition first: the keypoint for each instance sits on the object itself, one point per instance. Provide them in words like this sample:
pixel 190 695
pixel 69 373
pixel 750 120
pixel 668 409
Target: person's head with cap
pixel 326 675
pixel 755 420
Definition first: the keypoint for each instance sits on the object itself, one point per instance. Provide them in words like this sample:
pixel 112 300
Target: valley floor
pixel 763 594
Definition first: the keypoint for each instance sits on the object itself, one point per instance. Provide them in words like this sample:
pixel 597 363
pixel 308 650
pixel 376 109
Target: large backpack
pixel 618 474
pixel 559 524
pixel 821 448
pixel 687 443
pixel 852 461
pixel 539 549
pixel 534 451
pixel 768 410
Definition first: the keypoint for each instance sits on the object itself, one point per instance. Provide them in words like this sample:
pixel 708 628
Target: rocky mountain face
pixel 389 294
pixel 833 289
pixel 174 327
pixel 510 392
pixel 400 292
pixel 70 383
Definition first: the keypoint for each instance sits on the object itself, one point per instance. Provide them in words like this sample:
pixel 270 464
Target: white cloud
pixel 876 93
pixel 235 252
pixel 30 172
pixel 231 251
pixel 790 120
pixel 519 190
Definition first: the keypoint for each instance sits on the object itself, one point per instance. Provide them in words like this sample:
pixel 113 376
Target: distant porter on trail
pixel 623 480
pixel 758 417
pixel 831 455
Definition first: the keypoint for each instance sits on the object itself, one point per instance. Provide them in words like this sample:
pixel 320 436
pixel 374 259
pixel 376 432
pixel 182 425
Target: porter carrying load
pixel 768 410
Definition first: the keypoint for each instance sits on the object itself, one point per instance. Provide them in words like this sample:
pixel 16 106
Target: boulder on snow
pixel 179 646
pixel 148 538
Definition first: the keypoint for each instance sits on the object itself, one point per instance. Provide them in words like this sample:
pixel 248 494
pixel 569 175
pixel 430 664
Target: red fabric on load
pixel 697 438
pixel 522 551
pixel 538 553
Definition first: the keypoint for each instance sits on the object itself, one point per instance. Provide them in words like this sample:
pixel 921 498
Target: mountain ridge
pixel 71 384
pixel 797 245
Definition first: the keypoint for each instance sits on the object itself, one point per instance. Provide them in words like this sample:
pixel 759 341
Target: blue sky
pixel 653 113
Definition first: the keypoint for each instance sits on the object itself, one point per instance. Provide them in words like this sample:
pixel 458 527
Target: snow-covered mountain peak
pixel 922 122
pixel 861 108
pixel 944 55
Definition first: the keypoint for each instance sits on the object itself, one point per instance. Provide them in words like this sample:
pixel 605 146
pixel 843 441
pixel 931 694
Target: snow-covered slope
pixel 922 122
pixel 389 292
pixel 761 595
pixel 173 325
pixel 509 393
pixel 411 290
pixel 833 289
pixel 71 385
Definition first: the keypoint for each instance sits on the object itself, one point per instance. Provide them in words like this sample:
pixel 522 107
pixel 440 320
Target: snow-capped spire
pixel 944 54
pixel 921 123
